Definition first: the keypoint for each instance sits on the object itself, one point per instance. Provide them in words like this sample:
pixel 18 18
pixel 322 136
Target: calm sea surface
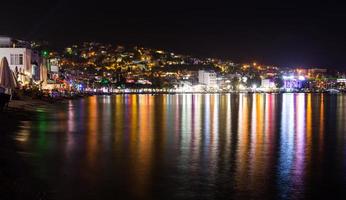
pixel 246 146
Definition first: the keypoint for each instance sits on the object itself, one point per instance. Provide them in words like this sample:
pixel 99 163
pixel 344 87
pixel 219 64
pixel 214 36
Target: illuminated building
pixel 267 83
pixel 19 57
pixel 207 77
pixel 27 64
pixel 293 82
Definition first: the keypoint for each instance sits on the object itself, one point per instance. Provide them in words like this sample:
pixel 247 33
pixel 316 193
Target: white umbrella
pixel 43 73
pixel 7 78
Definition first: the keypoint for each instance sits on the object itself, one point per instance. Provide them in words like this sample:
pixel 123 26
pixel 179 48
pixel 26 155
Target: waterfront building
pixel 53 65
pixel 207 78
pixel 267 84
pixel 19 58
pixel 23 61
pixel 293 82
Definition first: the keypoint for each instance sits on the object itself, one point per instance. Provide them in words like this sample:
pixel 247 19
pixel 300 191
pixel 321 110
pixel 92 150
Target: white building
pixel 27 64
pixel 19 60
pixel 267 84
pixel 207 77
pixel 53 68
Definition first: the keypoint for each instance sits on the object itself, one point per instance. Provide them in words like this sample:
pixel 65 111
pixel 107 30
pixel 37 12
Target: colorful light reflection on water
pixel 246 146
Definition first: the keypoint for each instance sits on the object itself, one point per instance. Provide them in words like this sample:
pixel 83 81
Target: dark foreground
pixel 17 179
pixel 255 146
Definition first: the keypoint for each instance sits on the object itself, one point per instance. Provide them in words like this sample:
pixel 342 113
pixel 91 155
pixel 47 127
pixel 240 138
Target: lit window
pixel 16 59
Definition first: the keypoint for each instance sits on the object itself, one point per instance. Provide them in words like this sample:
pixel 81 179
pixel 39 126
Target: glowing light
pixel 301 78
pixel 291 77
pixel 241 87
pixel 45 53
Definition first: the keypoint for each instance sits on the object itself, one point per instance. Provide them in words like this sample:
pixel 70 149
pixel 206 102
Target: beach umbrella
pixel 43 76
pixel 7 77
pixel 16 71
pixel 43 73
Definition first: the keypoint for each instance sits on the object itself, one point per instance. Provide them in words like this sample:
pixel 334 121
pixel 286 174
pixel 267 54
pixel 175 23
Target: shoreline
pixel 26 107
pixel 182 93
pixel 17 179
pixel 164 91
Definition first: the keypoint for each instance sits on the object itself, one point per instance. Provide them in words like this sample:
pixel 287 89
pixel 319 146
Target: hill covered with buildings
pixel 92 66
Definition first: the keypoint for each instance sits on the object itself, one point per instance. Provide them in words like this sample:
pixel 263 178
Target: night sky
pixel 272 33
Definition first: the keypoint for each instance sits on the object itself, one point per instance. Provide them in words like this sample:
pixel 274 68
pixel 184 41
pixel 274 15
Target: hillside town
pixel 89 68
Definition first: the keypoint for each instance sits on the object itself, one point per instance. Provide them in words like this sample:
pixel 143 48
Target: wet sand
pixel 16 178
pixel 26 104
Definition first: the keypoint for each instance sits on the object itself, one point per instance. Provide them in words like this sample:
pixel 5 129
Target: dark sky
pixel 287 34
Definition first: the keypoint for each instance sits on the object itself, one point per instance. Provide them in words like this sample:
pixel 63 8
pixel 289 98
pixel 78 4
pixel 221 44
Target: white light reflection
pixel 300 140
pixel 286 144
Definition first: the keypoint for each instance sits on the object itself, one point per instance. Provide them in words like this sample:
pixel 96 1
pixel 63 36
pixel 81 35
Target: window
pixel 21 59
pixel 12 59
pixel 17 59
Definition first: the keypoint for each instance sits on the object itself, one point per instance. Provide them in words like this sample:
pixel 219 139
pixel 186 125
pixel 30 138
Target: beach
pixel 16 178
